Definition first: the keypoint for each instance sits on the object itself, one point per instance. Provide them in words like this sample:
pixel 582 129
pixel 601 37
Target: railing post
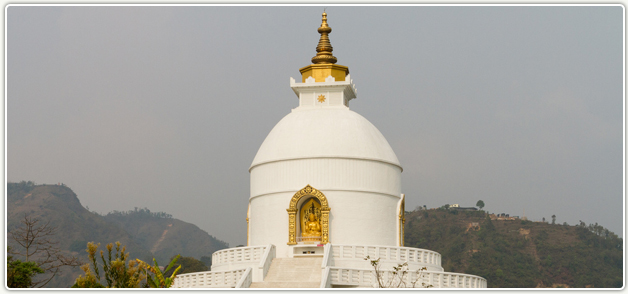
pixel 245 279
pixel 327 256
pixel 326 278
pixel 265 261
pixel 361 278
pixel 350 276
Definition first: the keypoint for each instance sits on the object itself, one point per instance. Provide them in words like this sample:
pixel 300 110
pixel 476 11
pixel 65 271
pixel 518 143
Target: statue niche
pixel 310 221
pixel 296 219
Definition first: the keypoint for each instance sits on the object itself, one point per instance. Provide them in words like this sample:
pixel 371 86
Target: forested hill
pixel 145 234
pixel 164 236
pixel 519 253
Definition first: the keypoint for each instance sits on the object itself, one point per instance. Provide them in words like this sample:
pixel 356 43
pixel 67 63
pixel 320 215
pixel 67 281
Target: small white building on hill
pixel 325 194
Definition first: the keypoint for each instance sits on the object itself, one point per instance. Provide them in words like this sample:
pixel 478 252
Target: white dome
pixel 324 132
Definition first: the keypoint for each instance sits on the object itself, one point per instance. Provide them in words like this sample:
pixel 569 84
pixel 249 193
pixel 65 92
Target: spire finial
pixel 324 48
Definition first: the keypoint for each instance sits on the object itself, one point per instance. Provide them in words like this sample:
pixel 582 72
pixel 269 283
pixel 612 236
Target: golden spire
pixel 324 62
pixel 324 48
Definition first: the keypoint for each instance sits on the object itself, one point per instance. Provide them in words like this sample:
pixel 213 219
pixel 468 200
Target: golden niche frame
pixel 292 214
pixel 402 220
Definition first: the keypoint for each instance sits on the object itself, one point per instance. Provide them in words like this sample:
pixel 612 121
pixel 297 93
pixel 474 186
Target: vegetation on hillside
pixel 23 186
pixel 518 253
pixel 141 213
pixel 165 236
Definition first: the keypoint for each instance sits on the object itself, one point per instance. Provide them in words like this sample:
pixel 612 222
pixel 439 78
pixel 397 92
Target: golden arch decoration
pixel 292 214
pixel 402 220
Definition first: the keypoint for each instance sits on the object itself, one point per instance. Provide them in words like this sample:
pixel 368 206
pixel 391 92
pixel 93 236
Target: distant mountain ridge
pixel 145 234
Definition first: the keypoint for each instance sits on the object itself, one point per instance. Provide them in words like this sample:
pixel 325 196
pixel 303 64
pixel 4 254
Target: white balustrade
pixel 222 279
pixel 367 278
pixel 327 256
pixel 326 266
pixel 246 279
pixel 238 254
pixel 387 253
pixel 266 260
pixel 326 278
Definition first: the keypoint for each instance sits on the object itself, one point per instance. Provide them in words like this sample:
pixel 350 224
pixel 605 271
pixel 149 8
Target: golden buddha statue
pixel 312 227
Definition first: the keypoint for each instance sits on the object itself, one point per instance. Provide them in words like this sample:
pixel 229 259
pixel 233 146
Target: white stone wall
pixel 362 194
pixel 353 256
pixel 341 174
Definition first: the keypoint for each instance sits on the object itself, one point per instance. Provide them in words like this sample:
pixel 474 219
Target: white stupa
pixel 325 194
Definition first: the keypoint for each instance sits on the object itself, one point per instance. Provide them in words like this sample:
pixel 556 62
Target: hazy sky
pixel 165 107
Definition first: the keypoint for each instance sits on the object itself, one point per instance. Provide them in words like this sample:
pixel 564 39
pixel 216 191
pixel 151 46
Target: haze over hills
pixel 145 234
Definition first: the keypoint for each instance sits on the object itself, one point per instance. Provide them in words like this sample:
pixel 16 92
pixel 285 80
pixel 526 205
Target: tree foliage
pixel 20 274
pixel 21 186
pixel 480 204
pixel 140 213
pixel 159 279
pixel 188 265
pixel 118 271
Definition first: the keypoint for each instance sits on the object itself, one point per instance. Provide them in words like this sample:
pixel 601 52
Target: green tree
pixel 480 204
pixel 160 280
pixel 553 219
pixel 116 272
pixel 20 274
pixel 499 272
pixel 188 265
